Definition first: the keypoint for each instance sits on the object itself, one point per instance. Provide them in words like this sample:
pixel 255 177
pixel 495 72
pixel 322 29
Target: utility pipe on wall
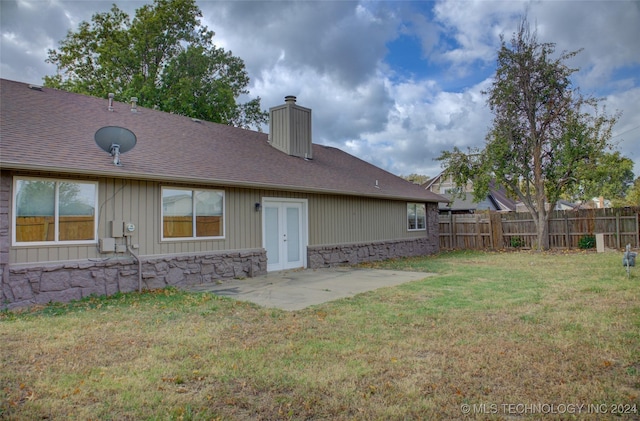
pixel 130 250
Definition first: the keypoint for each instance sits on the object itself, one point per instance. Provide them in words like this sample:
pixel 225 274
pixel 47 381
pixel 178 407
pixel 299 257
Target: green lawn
pixel 492 336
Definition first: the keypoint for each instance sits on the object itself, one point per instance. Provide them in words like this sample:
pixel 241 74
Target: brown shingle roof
pixel 52 130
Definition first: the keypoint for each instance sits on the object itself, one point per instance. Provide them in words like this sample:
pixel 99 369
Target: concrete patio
pixel 297 289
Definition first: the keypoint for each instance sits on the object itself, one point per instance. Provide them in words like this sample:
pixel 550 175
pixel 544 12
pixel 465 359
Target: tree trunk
pixel 540 215
pixel 542 228
pixel 541 221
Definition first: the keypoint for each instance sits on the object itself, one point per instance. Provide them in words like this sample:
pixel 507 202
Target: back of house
pixel 101 196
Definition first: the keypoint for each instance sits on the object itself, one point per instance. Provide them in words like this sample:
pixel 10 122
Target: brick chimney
pixel 290 128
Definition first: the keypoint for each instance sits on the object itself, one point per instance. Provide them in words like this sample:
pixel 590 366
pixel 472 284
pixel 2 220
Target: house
pixel 99 196
pixel 595 203
pixel 561 205
pixel 496 200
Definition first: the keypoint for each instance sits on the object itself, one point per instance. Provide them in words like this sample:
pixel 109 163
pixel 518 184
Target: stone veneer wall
pixel 353 254
pixel 27 285
pixel 24 285
pixel 5 241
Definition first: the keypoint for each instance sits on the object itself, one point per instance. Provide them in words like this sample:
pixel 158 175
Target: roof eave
pixel 220 182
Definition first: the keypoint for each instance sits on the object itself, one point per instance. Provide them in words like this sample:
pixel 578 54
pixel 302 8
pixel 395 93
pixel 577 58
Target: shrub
pixel 587 242
pixel 517 242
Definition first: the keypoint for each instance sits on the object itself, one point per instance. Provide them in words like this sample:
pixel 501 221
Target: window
pixel 192 213
pixel 416 217
pixel 54 211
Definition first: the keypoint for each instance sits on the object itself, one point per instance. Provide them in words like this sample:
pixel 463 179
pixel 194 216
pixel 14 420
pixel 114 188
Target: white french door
pixel 284 227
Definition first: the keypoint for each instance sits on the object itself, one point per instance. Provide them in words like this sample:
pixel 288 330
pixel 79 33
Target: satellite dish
pixel 115 140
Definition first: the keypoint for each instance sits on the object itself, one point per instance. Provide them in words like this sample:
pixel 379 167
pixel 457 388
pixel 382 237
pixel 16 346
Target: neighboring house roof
pixel 566 205
pixel 498 194
pixel 561 205
pixel 497 199
pixel 51 130
pixel 459 204
pixel 431 182
pixel 595 203
pixel 438 182
pixel 467 204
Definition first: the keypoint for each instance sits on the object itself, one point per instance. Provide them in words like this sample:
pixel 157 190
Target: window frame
pixel 415 211
pixel 193 192
pixel 56 213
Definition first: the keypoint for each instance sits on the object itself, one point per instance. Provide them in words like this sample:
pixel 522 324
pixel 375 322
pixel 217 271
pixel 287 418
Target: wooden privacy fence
pixel 182 226
pixel 41 228
pixel 493 230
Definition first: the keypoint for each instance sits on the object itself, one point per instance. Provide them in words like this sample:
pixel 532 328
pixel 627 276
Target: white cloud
pixel 626 133
pixel 338 114
pixel 422 123
pixel 343 40
pixel 333 56
pixel 472 29
pixel 607 31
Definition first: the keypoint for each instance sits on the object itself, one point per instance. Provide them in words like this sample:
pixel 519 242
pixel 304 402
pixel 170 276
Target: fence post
pixel 495 227
pixel 478 233
pixel 566 230
pixel 638 228
pixel 452 232
pixel 490 215
pixel 618 245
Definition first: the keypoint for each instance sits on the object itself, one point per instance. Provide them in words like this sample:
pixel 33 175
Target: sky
pixel 392 82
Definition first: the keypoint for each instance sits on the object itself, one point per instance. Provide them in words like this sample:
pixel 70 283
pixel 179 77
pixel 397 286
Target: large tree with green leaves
pixel 544 130
pixel 416 178
pixel 609 175
pixel 632 197
pixel 164 57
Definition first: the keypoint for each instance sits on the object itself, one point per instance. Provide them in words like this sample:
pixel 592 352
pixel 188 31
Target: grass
pixel 493 331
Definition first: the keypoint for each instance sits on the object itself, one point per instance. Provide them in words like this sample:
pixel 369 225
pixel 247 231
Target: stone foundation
pixel 25 285
pixel 356 253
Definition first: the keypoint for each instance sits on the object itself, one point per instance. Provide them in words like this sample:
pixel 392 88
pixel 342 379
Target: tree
pixel 609 176
pixel 37 198
pixel 543 130
pixel 164 57
pixel 633 194
pixel 416 178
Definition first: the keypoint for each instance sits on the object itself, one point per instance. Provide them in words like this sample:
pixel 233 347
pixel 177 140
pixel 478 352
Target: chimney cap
pixel 290 98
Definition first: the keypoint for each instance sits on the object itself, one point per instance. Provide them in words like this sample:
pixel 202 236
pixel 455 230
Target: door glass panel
pixel 272 236
pixel 293 234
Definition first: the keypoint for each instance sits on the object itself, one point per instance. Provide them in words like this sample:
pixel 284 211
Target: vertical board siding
pixel 301 137
pixel 290 129
pixel 279 129
pixel 333 219
pixel 344 219
pixel 242 221
pixel 139 202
